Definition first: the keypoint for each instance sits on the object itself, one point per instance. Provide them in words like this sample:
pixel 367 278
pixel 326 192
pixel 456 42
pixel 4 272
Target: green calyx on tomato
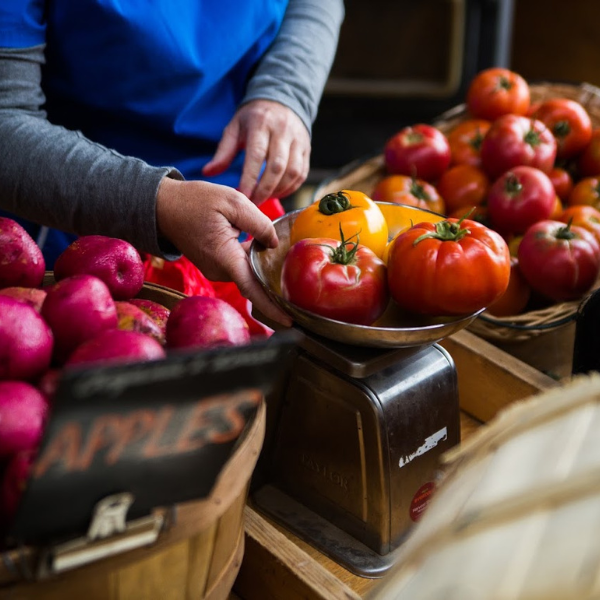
pixel 513 186
pixel 334 203
pixel 561 129
pixel 565 233
pixel 532 137
pixel 504 83
pixel 417 189
pixel 342 255
pixel 445 231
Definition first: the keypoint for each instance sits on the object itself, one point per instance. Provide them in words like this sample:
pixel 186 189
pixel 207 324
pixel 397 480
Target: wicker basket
pixel 364 175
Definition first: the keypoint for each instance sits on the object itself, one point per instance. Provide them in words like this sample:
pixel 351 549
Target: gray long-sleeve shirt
pixel 58 178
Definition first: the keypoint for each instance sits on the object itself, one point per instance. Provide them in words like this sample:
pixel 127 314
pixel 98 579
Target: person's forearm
pixel 295 69
pixel 57 177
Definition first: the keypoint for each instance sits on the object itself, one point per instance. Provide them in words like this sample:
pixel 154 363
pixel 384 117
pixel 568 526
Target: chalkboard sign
pixel 159 430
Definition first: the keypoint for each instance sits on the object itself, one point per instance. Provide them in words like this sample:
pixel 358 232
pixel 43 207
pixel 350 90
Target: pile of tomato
pixel 529 171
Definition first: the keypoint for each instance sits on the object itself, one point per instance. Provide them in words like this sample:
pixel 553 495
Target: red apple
pixel 114 261
pixel 116 346
pixel 132 318
pixel 33 296
pixel 26 341
pixel 203 322
pixel 77 309
pixel 23 413
pixel 21 261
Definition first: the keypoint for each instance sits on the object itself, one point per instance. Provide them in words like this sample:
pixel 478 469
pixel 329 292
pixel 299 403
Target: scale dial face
pixel 395 329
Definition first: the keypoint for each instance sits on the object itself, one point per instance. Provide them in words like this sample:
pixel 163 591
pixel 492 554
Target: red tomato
pixel 569 122
pixel 519 198
pixel 419 151
pixel 344 280
pixel 584 216
pixel 562 181
pixel 465 142
pixel 559 261
pixel 513 141
pixel 402 189
pixel 586 191
pixel 463 185
pixel 515 298
pixel 497 91
pixel 448 268
pixel 588 162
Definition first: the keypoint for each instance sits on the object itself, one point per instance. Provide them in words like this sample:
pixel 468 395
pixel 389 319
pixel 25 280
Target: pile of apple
pixel 89 315
pixel 529 170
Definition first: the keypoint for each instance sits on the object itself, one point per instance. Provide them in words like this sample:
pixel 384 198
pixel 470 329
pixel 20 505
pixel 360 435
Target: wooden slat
pixel 490 379
pixel 275 568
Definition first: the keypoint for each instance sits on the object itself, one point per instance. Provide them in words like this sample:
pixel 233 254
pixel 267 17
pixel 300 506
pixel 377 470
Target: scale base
pixel 323 535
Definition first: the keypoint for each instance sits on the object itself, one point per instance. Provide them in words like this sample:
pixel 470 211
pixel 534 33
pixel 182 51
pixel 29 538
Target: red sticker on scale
pixel 421 500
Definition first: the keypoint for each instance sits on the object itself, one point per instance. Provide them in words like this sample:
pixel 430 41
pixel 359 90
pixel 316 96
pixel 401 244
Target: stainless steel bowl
pixel 395 329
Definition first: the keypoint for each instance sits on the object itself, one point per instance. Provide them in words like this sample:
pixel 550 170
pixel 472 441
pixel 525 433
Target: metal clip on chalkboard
pixel 109 534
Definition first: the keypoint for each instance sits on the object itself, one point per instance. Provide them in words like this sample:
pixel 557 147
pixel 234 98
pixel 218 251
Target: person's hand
pixel 203 220
pixel 270 132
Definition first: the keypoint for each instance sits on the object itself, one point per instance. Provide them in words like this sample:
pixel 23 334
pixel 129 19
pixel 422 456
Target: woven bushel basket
pixel 365 174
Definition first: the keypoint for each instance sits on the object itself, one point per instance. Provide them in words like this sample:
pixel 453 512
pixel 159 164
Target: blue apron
pixel 154 79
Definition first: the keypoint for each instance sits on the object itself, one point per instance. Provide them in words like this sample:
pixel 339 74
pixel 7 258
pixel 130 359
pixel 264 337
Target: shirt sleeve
pixel 58 178
pixel 295 68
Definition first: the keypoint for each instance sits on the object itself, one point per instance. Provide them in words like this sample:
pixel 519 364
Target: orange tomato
pixel 352 211
pixel 515 298
pixel 497 91
pixel 411 191
pixel 583 215
pixel 463 185
pixel 557 210
pixel 465 142
pixel 586 191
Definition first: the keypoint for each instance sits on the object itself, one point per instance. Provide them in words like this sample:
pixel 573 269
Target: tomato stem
pixel 417 189
pixel 565 233
pixel 342 255
pixel 333 203
pixel 561 129
pixel 446 232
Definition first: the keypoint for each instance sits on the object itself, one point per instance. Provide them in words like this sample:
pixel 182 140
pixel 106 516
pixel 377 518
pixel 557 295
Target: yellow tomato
pixel 351 211
pixel 401 217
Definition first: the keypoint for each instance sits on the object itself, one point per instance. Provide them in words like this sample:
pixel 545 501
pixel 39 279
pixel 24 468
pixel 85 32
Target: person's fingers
pixel 275 169
pixel 227 150
pixel 257 145
pixel 295 174
pixel 246 216
pixel 251 288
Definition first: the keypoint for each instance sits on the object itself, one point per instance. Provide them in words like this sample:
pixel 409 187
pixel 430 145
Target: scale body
pixel 354 437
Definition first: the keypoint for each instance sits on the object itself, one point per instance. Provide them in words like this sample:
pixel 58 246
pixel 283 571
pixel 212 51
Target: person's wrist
pixel 166 196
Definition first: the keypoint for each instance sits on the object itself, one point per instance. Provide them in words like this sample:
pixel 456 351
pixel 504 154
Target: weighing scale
pixel 355 433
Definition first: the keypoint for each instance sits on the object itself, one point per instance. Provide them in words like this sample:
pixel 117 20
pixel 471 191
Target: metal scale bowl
pixel 355 433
